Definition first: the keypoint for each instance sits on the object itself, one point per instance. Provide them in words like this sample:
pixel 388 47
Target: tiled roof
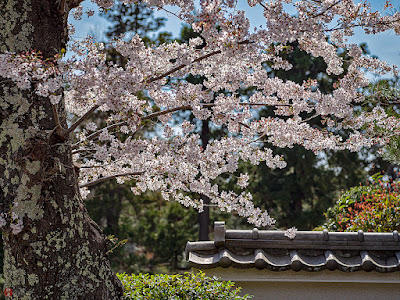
pixel 309 250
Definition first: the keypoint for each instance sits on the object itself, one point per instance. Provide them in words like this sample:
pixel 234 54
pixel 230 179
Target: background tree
pixel 156 230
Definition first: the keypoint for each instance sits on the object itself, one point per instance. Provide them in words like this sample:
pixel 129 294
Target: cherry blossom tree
pixel 53 250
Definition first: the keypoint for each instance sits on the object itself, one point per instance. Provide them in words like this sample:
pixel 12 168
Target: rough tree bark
pixel 61 252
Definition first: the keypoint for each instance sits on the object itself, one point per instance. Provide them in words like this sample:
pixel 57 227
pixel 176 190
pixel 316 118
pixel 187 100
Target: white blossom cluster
pixel 28 69
pixel 291 233
pixel 233 58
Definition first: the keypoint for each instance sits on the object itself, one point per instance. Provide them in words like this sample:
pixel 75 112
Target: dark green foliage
pixel 177 287
pixel 305 66
pixel 136 19
pixel 163 228
pixel 297 195
pixel 156 230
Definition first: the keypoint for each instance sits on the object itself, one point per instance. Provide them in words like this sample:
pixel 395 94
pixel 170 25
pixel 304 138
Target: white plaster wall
pixel 265 284
pixel 320 290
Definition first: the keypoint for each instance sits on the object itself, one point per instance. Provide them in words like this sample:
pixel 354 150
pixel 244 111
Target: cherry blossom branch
pixel 263 5
pixel 93 167
pixel 310 118
pixel 360 25
pixel 249 104
pixel 61 7
pixel 389 103
pixel 82 150
pixel 98 132
pixel 167 111
pixel 159 113
pixel 170 12
pixel 257 139
pixel 109 177
pixel 328 8
pixel 112 126
pixel 71 4
pixel 152 79
pixel 264 104
pixel 79 121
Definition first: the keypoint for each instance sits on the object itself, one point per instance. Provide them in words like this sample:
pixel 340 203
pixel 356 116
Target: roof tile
pixel 309 250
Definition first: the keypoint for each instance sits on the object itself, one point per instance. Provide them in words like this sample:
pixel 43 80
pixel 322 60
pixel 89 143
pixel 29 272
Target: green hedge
pixel 176 287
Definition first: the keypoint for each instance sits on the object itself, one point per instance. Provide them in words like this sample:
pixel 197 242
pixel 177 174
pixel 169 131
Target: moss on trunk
pixel 60 253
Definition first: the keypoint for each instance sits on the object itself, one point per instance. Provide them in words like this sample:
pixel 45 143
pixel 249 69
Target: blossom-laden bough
pixel 232 59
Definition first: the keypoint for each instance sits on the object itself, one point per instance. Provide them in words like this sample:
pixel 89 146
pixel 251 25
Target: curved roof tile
pixel 309 250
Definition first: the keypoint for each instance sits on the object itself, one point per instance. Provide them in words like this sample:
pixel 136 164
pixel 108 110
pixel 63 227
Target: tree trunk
pixel 60 252
pixel 204 217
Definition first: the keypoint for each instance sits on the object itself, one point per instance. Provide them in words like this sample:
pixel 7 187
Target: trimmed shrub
pixel 177 287
pixel 375 207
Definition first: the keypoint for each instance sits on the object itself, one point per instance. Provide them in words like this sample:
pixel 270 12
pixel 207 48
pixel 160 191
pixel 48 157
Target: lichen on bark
pixel 60 252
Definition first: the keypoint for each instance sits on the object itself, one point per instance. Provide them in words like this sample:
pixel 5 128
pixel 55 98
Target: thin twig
pixel 98 132
pixel 172 13
pixel 328 8
pixel 80 120
pixel 82 150
pixel 389 103
pixel 92 167
pixel 164 112
pixel 108 178
pixel 263 5
pixel 249 104
pixel 258 139
pixel 310 118
pixel 362 25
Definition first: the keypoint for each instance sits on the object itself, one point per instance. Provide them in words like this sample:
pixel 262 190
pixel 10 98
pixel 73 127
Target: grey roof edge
pixel 359 236
pixel 369 251
pixel 198 246
pixel 295 261
pixel 222 235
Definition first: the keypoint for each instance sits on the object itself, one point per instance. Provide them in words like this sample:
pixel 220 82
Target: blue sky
pixel 386 45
